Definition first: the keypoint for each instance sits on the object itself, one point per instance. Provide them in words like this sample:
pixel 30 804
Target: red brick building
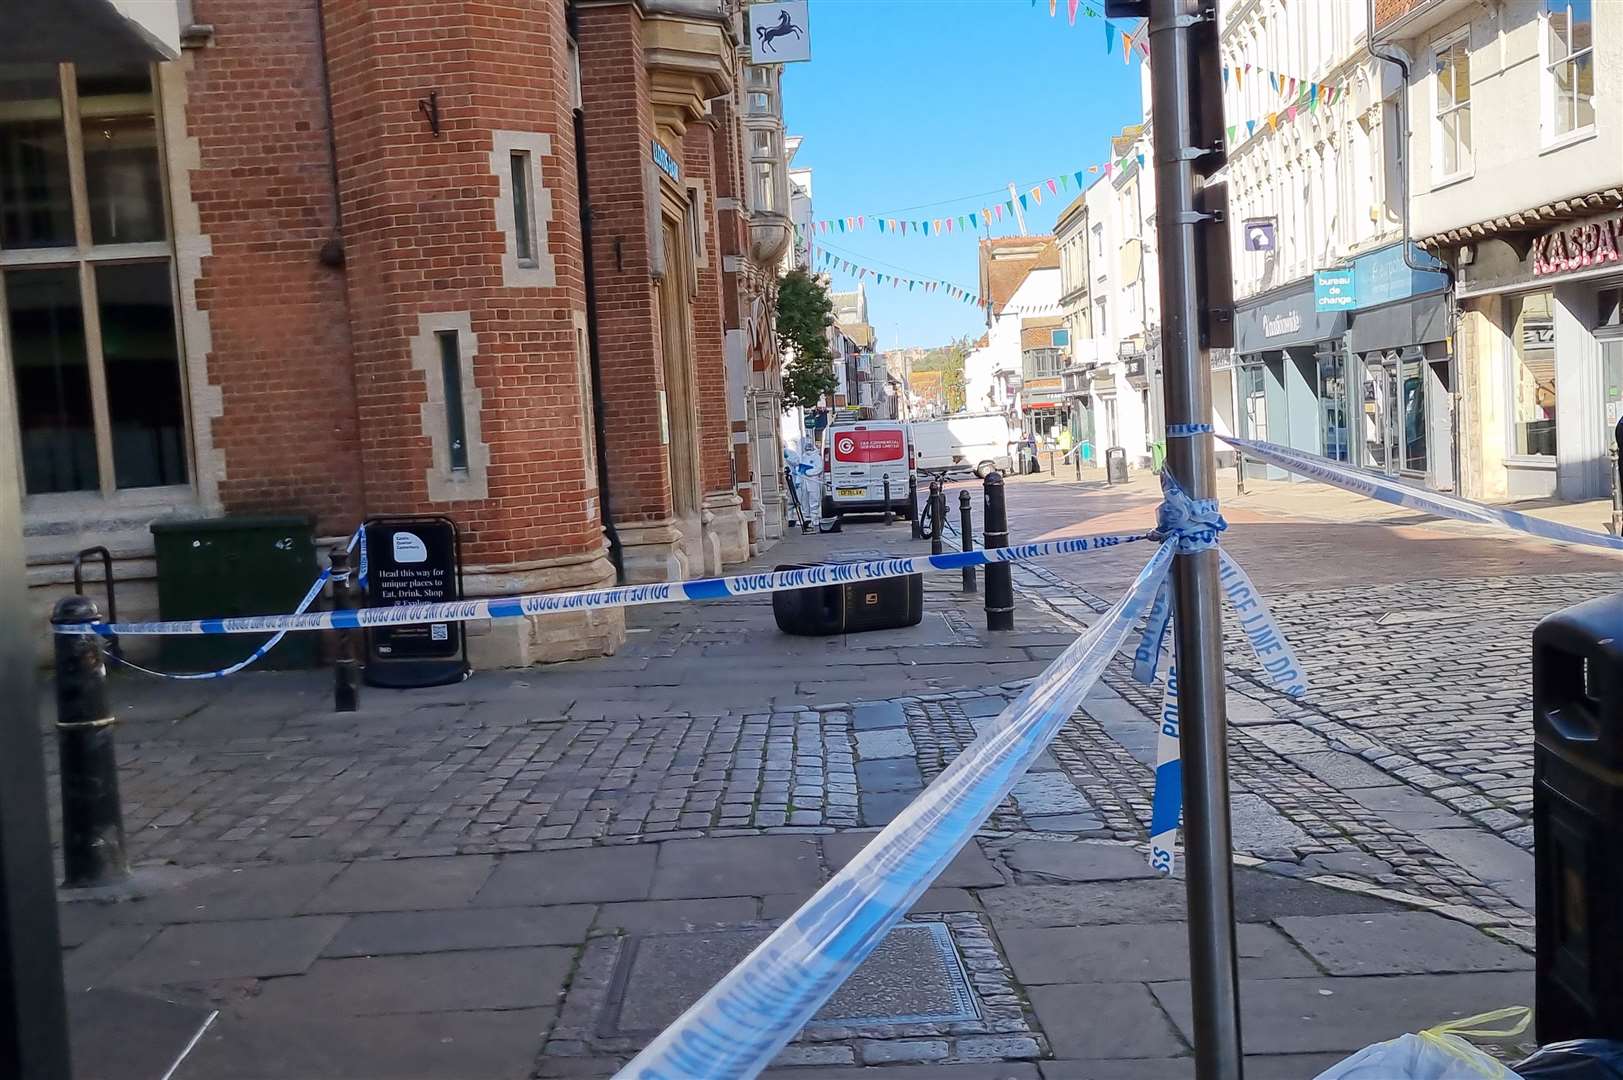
pixel 508 261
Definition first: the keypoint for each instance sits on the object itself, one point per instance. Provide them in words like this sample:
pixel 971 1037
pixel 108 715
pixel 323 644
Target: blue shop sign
pixel 1382 277
pixel 665 162
pixel 1334 290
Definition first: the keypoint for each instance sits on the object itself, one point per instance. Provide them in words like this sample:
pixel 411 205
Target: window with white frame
pixel 1451 66
pixel 1098 248
pixel 88 280
pixel 1569 64
pixel 766 163
pixel 761 92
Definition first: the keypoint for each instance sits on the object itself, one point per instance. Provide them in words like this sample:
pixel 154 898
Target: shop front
pixel 1545 318
pixel 1291 375
pixel 1401 374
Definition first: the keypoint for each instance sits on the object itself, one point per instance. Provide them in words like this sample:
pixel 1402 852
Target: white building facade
pixel 1342 343
pixel 1516 169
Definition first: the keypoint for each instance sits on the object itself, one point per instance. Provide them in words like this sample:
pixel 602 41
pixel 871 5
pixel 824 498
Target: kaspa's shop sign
pixel 1578 247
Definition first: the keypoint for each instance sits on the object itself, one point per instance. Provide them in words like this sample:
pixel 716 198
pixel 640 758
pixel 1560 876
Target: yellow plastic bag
pixel 1438 1053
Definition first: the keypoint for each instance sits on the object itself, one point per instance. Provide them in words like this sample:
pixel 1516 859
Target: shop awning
pixel 90 31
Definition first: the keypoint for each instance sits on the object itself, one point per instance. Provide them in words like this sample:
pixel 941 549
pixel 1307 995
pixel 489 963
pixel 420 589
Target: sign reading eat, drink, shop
pixel 1579 247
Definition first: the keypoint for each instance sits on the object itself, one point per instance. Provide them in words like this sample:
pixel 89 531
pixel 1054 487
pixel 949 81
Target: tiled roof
pixel 1006 260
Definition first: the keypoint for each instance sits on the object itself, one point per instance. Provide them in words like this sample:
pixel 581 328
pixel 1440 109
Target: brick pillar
pixel 645 79
pixel 437 283
pixel 726 531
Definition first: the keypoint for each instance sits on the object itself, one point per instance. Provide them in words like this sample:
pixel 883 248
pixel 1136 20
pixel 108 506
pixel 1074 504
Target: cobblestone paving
pixel 1337 835
pixel 454 780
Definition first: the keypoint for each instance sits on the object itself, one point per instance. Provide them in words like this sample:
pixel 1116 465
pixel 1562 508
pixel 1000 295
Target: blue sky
pixel 911 102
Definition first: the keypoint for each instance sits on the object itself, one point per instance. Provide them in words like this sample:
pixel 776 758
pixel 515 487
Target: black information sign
pixel 414 561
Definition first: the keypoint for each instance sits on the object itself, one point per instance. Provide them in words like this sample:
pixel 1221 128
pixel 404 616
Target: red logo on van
pixel 868 446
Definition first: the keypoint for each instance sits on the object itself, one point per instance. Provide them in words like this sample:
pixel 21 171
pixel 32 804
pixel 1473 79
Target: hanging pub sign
pixel 1579 247
pixel 414 560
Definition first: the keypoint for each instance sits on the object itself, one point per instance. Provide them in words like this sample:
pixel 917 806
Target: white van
pixel 858 456
pixel 977 441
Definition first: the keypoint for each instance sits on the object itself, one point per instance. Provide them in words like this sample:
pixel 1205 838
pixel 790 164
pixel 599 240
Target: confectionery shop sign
pixel 1579 247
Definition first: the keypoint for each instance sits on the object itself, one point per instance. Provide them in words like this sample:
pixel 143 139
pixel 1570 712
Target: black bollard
pixel 1615 527
pixel 913 507
pixel 966 529
pixel 999 576
pixel 93 851
pixel 346 687
pixel 938 516
pixel 889 517
pixel 1076 456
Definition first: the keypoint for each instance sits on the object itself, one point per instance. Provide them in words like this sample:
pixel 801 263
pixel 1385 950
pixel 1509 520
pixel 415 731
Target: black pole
pixel 92 822
pixel 33 1008
pixel 594 353
pixel 1076 452
pixel 999 577
pixel 966 529
pixel 889 517
pixel 913 507
pixel 346 669
pixel 938 516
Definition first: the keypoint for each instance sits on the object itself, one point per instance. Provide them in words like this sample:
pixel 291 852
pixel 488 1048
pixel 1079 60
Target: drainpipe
pixel 599 438
pixel 1395 55
pixel 332 252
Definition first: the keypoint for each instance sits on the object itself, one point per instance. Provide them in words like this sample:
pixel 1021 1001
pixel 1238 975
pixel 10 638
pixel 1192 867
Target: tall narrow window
pixel 523 220
pixel 1532 373
pixel 1453 89
pixel 456 418
pixel 1569 34
pixel 89 281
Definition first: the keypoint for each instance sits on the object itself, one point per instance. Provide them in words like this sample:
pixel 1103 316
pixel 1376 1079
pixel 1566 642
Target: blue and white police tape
pixel 358 538
pixel 1379 486
pixel 513 607
pixel 739 1026
pixel 1279 665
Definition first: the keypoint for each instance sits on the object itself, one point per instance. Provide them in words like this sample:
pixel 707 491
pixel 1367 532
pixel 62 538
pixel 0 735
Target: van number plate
pixel 853 492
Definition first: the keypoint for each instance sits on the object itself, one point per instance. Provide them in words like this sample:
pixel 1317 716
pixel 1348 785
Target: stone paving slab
pixel 206 952
pixel 1257 1067
pixel 732 866
pixel 970 868
pixel 517 978
pixel 250 1042
pixel 993 1071
pixel 1105 1020
pixel 407 932
pixel 1153 953
pixel 570 876
pixel 404 884
pixel 671 916
pixel 1299 1016
pixel 1047 861
pixel 1399 943
pixel 244 892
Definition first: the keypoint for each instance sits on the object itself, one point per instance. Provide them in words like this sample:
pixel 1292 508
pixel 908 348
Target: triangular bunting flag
pixel 973 224
pixel 1290 113
pixel 1273 82
pixel 1231 133
pixel 1078 176
pixel 960 223
pixel 1025 203
pixel 1237 82
pixel 1273 121
pixel 1072 5
pixel 842 224
pixel 1250 128
pixel 1126 49
pixel 1052 190
pixel 1110 39
pixel 1225 76
pixel 1141 161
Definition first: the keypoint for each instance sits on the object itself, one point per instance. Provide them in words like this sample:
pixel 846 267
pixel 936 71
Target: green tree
pixel 804 315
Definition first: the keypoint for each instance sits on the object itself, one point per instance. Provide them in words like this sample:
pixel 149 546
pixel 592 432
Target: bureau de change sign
pixel 414 561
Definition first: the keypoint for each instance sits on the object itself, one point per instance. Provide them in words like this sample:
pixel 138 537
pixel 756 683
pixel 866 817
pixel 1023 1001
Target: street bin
pixel 877 604
pixel 1116 465
pixel 225 567
pixel 1578 820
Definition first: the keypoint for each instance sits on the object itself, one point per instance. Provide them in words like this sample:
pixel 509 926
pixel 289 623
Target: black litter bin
pixel 880 604
pixel 1116 465
pixel 1578 820
pixel 226 567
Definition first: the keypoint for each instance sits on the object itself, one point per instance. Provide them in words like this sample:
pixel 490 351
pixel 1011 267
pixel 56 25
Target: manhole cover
pixel 913 977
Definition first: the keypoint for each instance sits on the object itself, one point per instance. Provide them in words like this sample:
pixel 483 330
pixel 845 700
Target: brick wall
pixel 422 236
pixel 619 133
pixel 278 319
pixel 1389 11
